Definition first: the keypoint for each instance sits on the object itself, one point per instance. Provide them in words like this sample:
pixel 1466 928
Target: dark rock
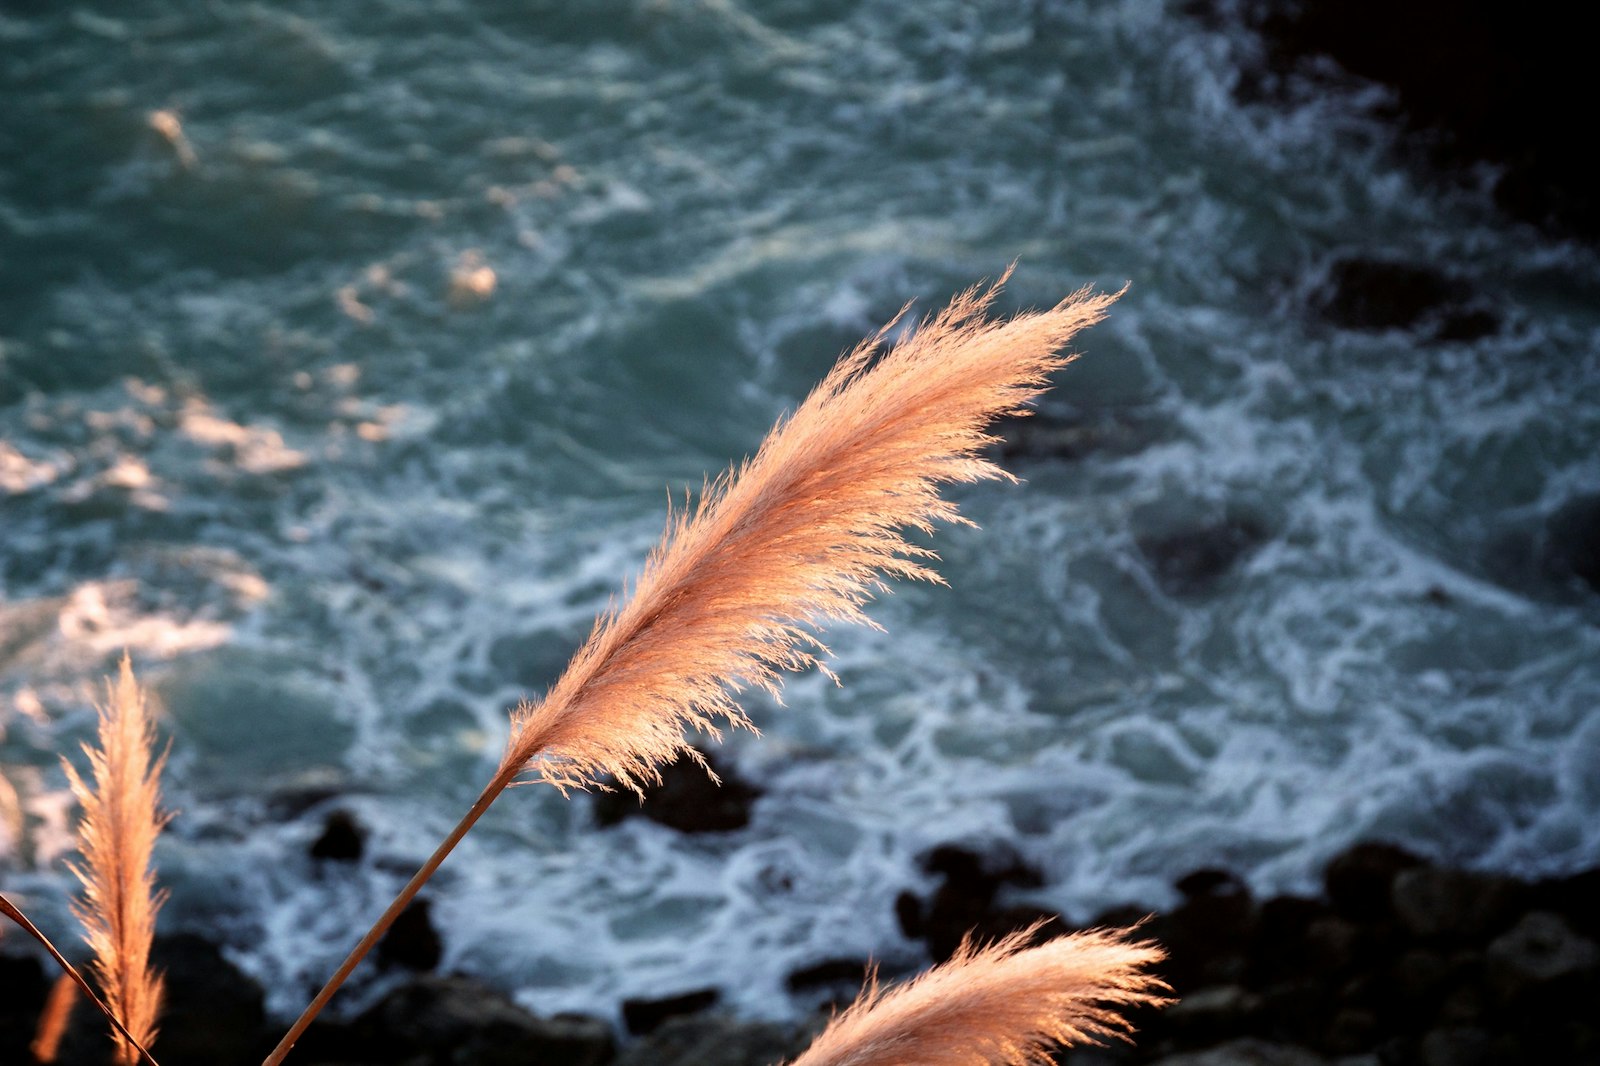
pixel 456 1021
pixel 714 1040
pixel 965 902
pixel 1279 950
pixel 1072 436
pixel 1211 1015
pixel 1458 905
pixel 1208 932
pixel 1246 1052
pixel 908 912
pixel 412 942
pixel 1377 294
pixel 343 839
pixel 214 1012
pixel 1360 881
pixel 645 1015
pixel 1295 1012
pixel 834 982
pixel 1479 80
pixel 1466 324
pixel 687 799
pixel 1352 1030
pixel 1190 561
pixel 1418 980
pixel 1571 544
pixel 23 979
pixel 1460 1046
pixel 1539 951
pixel 1573 898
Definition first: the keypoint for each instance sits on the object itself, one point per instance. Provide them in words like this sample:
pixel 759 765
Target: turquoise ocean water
pixel 349 352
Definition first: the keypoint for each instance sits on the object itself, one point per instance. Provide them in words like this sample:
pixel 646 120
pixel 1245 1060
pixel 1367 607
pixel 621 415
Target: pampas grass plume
pixel 122 817
pixel 1003 1005
pixel 805 532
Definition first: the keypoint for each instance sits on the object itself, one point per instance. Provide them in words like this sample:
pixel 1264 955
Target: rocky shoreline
pixel 1474 85
pixel 1396 962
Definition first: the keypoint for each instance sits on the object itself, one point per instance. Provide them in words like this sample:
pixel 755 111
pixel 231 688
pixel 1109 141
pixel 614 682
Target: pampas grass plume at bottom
pixel 1002 1005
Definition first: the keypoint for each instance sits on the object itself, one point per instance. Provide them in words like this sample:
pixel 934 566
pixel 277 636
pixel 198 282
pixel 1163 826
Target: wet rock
pixel 343 839
pixel 1247 1052
pixel 1420 979
pixel 1573 898
pixel 1211 1015
pixel 686 799
pixel 714 1040
pixel 457 1021
pixel 1436 903
pixel 23 978
pixel 1190 561
pixel 1208 932
pixel 1377 294
pixel 965 902
pixel 1459 1046
pixel 646 1015
pixel 1360 881
pixel 834 982
pixel 1477 81
pixel 214 1012
pixel 1351 1031
pixel 1539 951
pixel 412 942
pixel 1280 948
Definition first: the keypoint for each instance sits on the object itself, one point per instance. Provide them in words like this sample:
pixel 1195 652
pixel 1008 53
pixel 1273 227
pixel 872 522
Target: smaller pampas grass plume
pixel 122 817
pixel 1002 1005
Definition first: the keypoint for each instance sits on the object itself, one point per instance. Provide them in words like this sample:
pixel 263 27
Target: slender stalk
pixel 407 894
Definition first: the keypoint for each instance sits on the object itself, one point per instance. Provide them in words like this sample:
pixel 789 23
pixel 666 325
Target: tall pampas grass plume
pixel 121 819
pixel 803 533
pixel 1003 1005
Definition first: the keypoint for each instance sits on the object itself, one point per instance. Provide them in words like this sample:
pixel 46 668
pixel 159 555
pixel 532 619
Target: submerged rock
pixel 1191 561
pixel 1571 543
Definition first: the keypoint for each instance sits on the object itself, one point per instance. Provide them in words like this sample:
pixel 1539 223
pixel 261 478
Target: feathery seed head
pixel 1002 1005
pixel 122 817
pixel 803 533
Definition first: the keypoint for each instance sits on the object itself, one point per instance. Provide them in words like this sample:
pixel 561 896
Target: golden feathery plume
pixel 122 817
pixel 1004 1004
pixel 804 532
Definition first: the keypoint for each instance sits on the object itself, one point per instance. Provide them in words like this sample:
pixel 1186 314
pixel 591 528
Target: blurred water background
pixel 349 352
